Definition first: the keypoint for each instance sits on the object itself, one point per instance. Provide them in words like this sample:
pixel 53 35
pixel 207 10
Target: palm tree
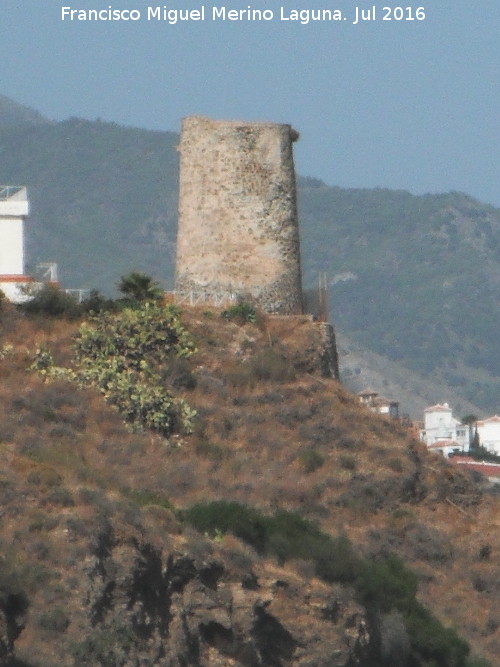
pixel 139 287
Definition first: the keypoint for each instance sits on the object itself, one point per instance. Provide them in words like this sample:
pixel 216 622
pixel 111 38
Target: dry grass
pixel 270 433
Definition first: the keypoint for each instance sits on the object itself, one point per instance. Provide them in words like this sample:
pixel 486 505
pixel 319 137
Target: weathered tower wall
pixel 238 233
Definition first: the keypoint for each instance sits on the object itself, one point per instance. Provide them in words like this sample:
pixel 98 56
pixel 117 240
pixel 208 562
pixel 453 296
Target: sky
pixel 400 104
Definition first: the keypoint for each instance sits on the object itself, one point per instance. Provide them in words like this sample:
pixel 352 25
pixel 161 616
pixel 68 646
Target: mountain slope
pixel 414 279
pixel 104 198
pixel 361 368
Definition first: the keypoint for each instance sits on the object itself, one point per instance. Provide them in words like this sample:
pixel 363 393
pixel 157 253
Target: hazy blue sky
pixel 397 104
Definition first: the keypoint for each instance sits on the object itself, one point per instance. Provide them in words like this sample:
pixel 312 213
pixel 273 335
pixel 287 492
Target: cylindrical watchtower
pixel 238 233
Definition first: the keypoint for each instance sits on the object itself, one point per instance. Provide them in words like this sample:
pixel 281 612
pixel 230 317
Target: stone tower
pixel 238 233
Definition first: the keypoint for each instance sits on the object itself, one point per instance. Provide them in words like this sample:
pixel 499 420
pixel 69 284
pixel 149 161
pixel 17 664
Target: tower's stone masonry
pixel 238 233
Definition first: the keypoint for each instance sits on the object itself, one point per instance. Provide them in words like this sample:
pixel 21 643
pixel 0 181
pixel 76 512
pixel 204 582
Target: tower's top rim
pixel 240 123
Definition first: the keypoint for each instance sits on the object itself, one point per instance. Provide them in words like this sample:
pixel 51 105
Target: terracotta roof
pixel 382 400
pixel 15 279
pixel 445 443
pixel 484 467
pixel 438 408
pixel 490 420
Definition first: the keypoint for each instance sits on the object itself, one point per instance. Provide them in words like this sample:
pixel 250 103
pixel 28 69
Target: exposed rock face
pixel 13 607
pixel 238 231
pixel 187 612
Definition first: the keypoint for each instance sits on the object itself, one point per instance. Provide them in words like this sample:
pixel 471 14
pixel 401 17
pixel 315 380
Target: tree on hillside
pixel 51 301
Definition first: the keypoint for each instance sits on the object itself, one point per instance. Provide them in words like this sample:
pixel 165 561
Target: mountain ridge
pixel 12 114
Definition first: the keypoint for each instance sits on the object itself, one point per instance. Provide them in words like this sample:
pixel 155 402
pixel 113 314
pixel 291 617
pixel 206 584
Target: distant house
pixel 488 431
pixel 442 432
pixel 367 396
pixel 377 403
pixel 446 447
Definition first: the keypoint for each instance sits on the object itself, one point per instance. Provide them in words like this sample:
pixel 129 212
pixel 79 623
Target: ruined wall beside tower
pixel 238 231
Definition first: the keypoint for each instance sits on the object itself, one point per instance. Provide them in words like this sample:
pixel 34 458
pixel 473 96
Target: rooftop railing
pixel 6 191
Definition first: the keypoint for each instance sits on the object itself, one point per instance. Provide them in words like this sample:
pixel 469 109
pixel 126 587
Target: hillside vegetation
pixel 290 527
pixel 413 278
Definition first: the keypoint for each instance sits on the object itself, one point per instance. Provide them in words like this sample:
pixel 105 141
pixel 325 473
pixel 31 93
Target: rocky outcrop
pixel 13 606
pixel 146 609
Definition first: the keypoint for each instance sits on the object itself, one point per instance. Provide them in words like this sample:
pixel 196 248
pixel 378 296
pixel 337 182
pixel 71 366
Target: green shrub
pixel 104 647
pixel 95 302
pixel 211 450
pixel 239 374
pixel 347 461
pixel 485 552
pixel 229 517
pixel 240 313
pixel 42 522
pixel 440 646
pixel 177 372
pixel 54 621
pixel 478 662
pixel 285 535
pixel 386 584
pixel 133 336
pixel 336 560
pixel 145 498
pixel 480 453
pixel 290 536
pixel 402 513
pixel 311 459
pixel 122 355
pixel 46 477
pixel 60 496
pixel 395 464
pixel 50 301
pixel 269 364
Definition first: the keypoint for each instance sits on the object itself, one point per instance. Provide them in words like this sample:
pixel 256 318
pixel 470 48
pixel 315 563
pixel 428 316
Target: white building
pixel 446 447
pixel 14 209
pixel 377 403
pixel 488 431
pixel 442 432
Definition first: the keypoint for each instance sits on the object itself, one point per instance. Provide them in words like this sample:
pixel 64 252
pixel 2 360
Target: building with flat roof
pixel 14 209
